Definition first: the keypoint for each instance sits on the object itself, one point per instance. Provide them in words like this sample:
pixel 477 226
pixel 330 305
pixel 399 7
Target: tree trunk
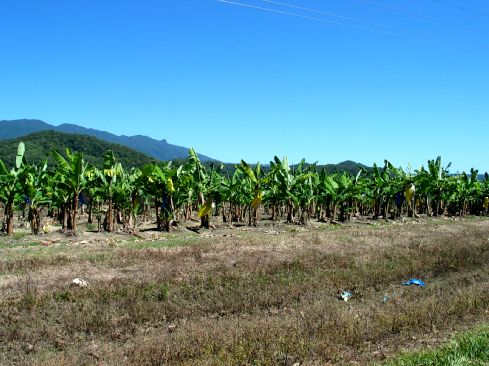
pixel 376 209
pixel 9 213
pixel 109 217
pixel 74 213
pixel 118 216
pixel 35 220
pixel 158 218
pixel 302 218
pixel 289 212
pixel 90 206
pixel 205 221
pixel 133 213
pixel 65 216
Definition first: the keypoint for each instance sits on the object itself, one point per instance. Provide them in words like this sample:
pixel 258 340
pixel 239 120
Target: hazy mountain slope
pixel 159 149
pixel 39 146
pixel 21 127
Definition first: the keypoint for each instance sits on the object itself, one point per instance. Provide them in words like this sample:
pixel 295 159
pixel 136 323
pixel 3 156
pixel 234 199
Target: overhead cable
pixel 341 16
pixel 461 8
pixel 419 15
pixel 446 43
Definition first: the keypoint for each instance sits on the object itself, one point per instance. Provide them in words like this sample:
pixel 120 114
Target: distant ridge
pixel 345 166
pixel 39 146
pixel 158 149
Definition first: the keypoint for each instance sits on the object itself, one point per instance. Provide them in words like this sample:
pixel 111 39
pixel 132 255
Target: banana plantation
pixel 113 197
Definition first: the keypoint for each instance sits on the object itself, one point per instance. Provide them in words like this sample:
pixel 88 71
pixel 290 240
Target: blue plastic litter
pixel 81 199
pixel 399 199
pixel 345 295
pixel 414 281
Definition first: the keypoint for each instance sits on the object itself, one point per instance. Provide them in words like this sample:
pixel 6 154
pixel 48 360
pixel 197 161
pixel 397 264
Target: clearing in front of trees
pixel 268 295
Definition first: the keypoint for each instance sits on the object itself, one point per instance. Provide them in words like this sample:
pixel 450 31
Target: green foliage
pixel 471 348
pixel 157 149
pixel 38 146
pixel 297 192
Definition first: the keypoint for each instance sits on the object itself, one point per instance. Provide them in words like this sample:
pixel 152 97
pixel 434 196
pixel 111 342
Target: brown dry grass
pixel 242 297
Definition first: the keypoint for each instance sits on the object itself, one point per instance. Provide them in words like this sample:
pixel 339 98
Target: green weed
pixel 470 348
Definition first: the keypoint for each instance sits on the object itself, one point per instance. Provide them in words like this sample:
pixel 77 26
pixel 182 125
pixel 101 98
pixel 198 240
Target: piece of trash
pixel 79 282
pixel 49 242
pixel 346 295
pixel 385 298
pixel 46 229
pixel 171 328
pixel 414 281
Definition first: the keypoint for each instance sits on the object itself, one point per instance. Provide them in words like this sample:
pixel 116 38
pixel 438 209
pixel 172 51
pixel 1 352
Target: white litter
pixel 79 282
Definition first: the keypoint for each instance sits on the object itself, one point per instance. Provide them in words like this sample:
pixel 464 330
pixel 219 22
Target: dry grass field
pixel 242 296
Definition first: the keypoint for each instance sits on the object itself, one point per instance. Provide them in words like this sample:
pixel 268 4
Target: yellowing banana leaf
pixel 409 192
pixel 257 200
pixel 486 203
pixel 206 208
pixel 169 185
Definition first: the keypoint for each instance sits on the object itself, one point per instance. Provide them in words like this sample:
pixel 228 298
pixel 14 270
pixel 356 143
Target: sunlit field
pixel 239 295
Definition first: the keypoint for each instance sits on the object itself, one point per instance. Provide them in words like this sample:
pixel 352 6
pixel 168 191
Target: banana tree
pixel 474 191
pixel 281 180
pixel 95 194
pixel 383 187
pixel 108 178
pixel 70 176
pixel 10 186
pixel 463 193
pixel 158 183
pixel 337 191
pixel 251 188
pixel 184 194
pixel 225 196
pixel 238 195
pixel 432 184
pixel 218 187
pixel 37 191
pixel 128 196
pixel 304 189
pixel 200 183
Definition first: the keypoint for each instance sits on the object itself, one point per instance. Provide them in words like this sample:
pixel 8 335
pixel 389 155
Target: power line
pixel 461 8
pixel 423 16
pixel 310 18
pixel 341 16
pixel 337 23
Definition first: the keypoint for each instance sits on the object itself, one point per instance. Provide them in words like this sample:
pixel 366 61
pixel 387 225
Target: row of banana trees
pixel 171 194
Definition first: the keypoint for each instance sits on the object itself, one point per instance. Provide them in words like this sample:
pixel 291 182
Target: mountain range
pixel 39 147
pixel 158 149
pixel 132 150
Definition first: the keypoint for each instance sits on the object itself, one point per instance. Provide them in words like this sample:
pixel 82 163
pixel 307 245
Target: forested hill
pixel 158 149
pixel 347 166
pixel 40 144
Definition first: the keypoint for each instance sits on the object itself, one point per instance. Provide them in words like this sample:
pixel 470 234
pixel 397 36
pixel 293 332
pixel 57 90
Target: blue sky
pixel 397 79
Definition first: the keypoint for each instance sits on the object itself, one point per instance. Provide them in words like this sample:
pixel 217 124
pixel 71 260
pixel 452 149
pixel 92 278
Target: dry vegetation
pixel 241 296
